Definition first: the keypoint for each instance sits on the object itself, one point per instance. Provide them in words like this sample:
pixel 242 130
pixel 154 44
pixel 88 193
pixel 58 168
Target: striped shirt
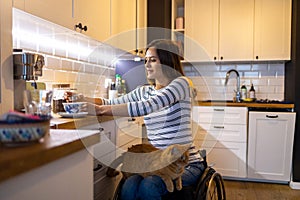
pixel 167 113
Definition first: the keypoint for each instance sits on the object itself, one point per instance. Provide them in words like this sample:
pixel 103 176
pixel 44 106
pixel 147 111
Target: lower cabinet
pixel 270 145
pixel 116 137
pixel 222 132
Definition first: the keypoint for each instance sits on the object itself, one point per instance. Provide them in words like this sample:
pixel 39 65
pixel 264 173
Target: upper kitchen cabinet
pixel 237 30
pixel 57 11
pixel 219 30
pixel 95 14
pixel 127 19
pixel 272 36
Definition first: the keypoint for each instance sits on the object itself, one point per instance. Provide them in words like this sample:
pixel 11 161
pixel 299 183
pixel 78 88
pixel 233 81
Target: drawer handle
pixel 272 116
pixel 97 168
pixel 131 119
pixel 218 109
pixel 220 127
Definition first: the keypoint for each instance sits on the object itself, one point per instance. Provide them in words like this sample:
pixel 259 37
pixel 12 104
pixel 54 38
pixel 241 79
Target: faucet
pixel 237 91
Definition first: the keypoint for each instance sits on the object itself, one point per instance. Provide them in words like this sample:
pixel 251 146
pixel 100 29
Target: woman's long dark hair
pixel 168 54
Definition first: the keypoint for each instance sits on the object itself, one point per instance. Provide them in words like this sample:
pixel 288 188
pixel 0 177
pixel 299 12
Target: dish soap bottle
pixel 252 92
pixel 243 92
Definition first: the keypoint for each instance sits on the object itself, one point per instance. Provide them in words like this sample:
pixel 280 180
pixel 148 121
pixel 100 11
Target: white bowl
pixel 75 107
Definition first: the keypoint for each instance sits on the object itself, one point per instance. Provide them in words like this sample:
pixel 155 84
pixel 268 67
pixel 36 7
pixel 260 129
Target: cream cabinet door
pixel 270 145
pixel 219 30
pixel 128 132
pixel 95 14
pixel 201 30
pixel 123 24
pixel 56 11
pixel 222 131
pixel 236 30
pixel 272 34
pixel 128 18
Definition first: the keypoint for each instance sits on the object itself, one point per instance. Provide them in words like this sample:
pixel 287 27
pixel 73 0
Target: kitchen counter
pixel 58 122
pixel 246 104
pixel 55 145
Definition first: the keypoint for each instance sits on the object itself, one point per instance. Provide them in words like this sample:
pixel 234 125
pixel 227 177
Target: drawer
pixel 105 151
pixel 127 131
pixel 228 158
pixel 220 115
pixel 221 132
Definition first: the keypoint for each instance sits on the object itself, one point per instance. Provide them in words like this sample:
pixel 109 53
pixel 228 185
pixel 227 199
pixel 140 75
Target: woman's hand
pixel 97 101
pixel 110 110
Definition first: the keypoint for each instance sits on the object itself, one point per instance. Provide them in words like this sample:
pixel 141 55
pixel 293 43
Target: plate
pixel 73 115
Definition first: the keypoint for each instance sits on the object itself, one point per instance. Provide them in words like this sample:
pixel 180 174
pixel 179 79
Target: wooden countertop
pixel 70 123
pixel 55 145
pixel 246 104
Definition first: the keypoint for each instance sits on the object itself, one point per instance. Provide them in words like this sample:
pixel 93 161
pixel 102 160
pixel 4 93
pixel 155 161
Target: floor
pixel 241 190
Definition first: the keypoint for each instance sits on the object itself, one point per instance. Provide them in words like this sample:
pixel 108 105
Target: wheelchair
pixel 210 186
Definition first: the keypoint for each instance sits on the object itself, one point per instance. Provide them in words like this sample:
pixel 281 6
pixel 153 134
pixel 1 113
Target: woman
pixel 166 107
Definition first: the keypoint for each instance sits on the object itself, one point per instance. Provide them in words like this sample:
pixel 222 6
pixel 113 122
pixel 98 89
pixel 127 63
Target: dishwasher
pixel 270 144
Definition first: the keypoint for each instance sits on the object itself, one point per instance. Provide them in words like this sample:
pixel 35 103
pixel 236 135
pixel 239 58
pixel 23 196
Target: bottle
pixel 119 84
pixel 112 93
pixel 252 92
pixel 123 86
pixel 243 92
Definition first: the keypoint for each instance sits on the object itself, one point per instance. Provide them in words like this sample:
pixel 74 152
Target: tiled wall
pixel 209 79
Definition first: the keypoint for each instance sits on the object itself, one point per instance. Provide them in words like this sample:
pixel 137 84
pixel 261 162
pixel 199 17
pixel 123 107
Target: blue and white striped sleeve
pixel 177 90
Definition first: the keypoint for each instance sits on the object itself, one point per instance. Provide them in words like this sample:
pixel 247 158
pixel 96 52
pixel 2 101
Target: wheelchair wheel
pixel 118 190
pixel 211 186
pixel 215 190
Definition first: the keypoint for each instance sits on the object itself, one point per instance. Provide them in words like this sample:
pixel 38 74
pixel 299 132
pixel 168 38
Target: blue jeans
pixel 153 187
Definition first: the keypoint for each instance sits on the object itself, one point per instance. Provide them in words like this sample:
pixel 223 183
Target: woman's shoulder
pixel 183 80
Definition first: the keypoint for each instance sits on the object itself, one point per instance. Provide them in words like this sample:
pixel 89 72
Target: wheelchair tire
pixel 118 190
pixel 211 186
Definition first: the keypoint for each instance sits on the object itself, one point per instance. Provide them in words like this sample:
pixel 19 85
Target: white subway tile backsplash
pixel 52 62
pixel 275 81
pixel 251 74
pixel 66 65
pixel 243 67
pixel 267 78
pixel 259 67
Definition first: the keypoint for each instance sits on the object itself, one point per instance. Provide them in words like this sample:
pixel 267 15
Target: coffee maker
pixel 27 66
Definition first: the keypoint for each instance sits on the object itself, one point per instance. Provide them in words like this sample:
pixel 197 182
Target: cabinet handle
pixel 218 110
pixel 221 57
pixel 98 167
pixel 256 57
pixel 219 127
pixel 215 58
pixel 79 25
pixel 131 119
pixel 101 129
pixel 272 116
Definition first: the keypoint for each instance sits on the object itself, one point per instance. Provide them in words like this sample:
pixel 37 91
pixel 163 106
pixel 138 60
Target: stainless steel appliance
pixel 27 66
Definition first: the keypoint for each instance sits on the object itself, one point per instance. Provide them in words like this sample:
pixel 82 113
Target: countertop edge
pixel 246 104
pixel 18 160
